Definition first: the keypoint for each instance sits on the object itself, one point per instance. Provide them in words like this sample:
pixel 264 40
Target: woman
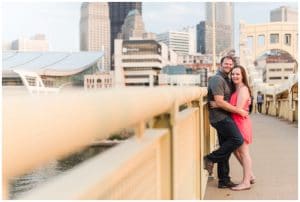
pixel 242 99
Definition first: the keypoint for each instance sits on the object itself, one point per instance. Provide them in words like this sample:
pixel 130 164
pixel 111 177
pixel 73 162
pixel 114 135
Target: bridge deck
pixel 275 163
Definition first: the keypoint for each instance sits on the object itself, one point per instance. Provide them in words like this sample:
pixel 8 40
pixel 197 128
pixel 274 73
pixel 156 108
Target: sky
pixel 59 20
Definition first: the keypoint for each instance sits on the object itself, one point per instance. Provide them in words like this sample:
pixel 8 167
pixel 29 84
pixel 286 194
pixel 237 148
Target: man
pixel 229 136
pixel 259 101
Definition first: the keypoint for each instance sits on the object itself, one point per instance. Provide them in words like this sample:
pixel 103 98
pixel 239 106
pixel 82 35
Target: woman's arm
pixel 243 97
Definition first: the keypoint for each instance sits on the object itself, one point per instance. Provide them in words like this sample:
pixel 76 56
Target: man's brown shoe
pixel 208 165
pixel 229 184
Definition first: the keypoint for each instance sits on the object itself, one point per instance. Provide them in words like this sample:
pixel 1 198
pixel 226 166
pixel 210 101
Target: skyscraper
pixel 192 38
pixel 224 16
pixel 133 26
pixel 204 37
pixel 223 10
pixel 95 30
pixel 177 41
pixel 118 12
pixel 36 43
pixel 284 14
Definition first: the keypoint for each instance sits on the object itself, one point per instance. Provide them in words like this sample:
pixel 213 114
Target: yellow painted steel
pixel 162 163
pixel 168 165
pixel 56 125
pixel 131 170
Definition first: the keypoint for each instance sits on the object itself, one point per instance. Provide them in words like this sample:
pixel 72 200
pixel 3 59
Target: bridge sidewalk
pixel 275 163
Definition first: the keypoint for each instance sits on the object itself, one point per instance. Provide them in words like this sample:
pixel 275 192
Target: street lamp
pixel 213 6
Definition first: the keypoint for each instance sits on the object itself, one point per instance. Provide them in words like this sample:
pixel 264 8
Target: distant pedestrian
pixel 259 101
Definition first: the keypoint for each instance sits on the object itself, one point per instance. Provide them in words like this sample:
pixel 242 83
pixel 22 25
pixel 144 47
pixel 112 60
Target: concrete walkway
pixel 275 163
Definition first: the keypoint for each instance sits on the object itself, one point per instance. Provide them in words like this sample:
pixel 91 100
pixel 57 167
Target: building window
pixel 136 76
pixel 261 40
pixel 250 42
pixel 141 48
pixel 287 39
pixel 142 60
pixel 289 69
pixel 274 38
pixel 275 70
pixel 275 78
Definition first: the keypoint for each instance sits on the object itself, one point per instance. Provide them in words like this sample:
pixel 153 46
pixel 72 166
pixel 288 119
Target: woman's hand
pixel 249 101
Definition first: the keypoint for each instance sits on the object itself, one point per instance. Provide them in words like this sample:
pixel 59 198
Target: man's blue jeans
pixel 230 139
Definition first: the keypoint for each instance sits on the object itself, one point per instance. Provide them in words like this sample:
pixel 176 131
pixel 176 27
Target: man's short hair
pixel 227 57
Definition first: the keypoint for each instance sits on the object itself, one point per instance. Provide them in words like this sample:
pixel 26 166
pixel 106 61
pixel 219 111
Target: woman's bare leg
pixel 237 155
pixel 247 167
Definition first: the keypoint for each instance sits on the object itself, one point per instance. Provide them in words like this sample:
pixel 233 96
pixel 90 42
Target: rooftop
pixel 48 63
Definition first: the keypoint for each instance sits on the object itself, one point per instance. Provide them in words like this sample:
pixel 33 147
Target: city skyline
pixel 31 18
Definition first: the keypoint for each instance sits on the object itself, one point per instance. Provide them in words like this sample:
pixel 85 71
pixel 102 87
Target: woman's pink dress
pixel 243 123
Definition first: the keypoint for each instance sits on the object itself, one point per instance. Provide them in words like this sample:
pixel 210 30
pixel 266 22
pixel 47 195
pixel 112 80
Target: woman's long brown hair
pixel 244 75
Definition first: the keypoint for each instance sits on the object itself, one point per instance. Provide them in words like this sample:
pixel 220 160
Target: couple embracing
pixel 229 100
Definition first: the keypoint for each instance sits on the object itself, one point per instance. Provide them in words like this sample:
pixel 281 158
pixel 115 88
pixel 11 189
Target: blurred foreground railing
pixel 162 161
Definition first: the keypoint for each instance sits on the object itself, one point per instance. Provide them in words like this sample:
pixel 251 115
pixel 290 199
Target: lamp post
pixel 213 6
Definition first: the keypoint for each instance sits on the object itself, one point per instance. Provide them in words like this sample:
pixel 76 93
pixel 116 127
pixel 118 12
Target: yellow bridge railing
pixel 162 161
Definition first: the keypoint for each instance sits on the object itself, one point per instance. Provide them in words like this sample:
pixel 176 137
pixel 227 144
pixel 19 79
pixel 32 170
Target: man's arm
pixel 220 102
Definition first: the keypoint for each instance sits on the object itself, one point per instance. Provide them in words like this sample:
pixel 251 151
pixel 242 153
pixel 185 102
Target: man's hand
pixel 213 104
pixel 243 112
pixel 221 103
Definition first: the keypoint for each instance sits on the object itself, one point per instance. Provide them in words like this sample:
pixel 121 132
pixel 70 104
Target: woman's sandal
pixel 240 189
